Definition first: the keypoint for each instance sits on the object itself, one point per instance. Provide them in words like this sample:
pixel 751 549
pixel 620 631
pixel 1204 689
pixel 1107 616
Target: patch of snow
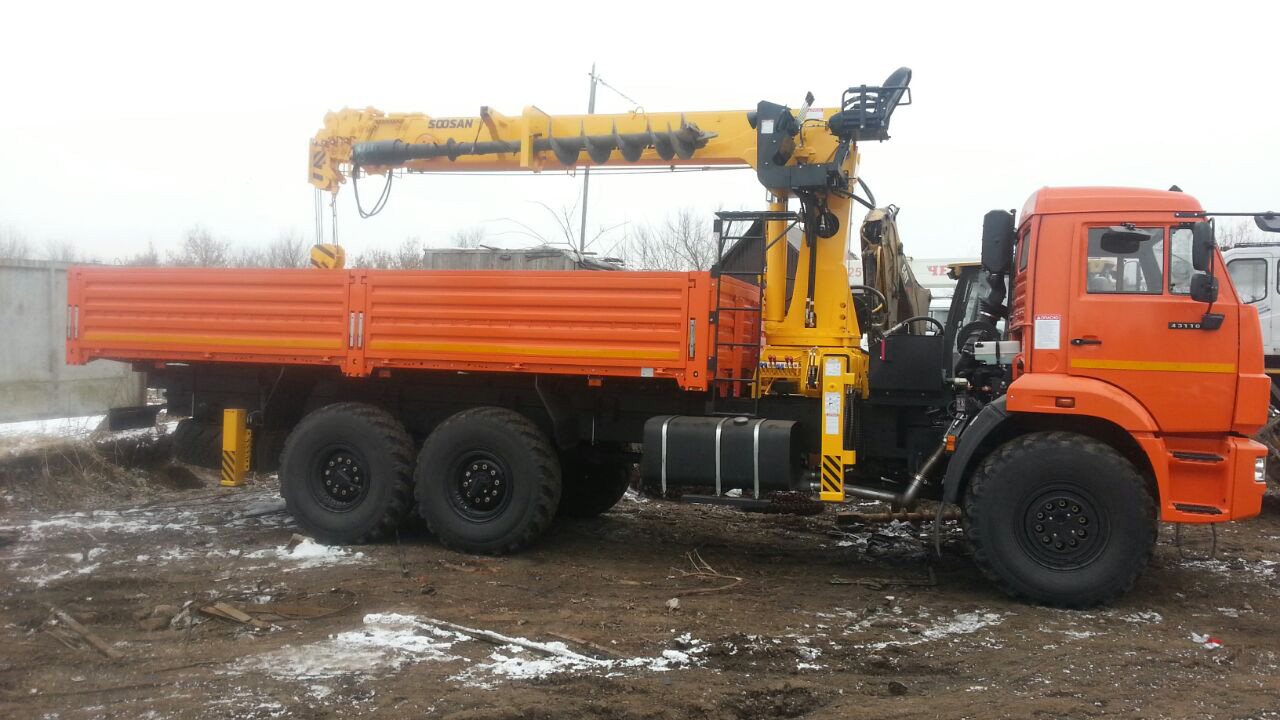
pixel 52 427
pixel 109 521
pixel 1260 569
pixel 1143 616
pixel 388 641
pixel 964 623
pixel 308 554
pixel 43 574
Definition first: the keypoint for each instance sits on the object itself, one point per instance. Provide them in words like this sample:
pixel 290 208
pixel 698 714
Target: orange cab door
pixel 1132 324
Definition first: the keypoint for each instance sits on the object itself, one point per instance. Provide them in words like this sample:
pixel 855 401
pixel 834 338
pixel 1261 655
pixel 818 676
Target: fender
pixel 1041 394
pixel 987 419
pixel 1058 394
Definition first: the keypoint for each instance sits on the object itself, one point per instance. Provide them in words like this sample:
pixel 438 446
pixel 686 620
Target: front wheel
pixel 1061 519
pixel 487 481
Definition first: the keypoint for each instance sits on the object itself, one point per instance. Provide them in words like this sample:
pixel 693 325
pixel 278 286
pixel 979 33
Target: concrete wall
pixel 35 381
pixel 542 258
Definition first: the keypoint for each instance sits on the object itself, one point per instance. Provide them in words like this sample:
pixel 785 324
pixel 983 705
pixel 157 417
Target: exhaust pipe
pixel 908 498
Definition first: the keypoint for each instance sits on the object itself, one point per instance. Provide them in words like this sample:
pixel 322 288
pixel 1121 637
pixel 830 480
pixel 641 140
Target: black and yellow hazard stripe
pixel 229 468
pixel 328 256
pixel 832 480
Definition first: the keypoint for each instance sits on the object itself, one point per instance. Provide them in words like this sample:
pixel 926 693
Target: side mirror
pixel 997 241
pixel 1204 288
pixel 1202 245
pixel 1120 240
pixel 1268 222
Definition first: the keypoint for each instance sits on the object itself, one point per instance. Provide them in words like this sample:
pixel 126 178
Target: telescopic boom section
pixel 534 141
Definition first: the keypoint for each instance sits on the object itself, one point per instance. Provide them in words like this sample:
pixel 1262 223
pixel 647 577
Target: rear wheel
pixel 345 473
pixel 198 443
pixel 593 483
pixel 487 481
pixel 1061 519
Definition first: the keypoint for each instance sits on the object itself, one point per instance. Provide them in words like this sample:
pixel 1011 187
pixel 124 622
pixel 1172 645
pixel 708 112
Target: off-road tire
pixel 198 443
pixel 521 458
pixel 1020 479
pixel 382 450
pixel 592 485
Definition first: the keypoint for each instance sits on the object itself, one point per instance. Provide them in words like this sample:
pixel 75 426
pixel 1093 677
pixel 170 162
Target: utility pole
pixel 586 172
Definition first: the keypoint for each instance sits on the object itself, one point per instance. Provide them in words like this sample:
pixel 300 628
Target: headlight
pixel 1260 470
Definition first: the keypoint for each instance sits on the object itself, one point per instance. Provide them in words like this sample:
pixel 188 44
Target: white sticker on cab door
pixel 1048 332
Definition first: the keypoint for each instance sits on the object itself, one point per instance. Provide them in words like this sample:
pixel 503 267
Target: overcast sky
pixel 125 123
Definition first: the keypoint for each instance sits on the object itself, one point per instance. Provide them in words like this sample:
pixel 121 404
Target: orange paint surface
pixel 630 324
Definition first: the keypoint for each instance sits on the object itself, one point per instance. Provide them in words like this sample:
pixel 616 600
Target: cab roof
pixel 1053 200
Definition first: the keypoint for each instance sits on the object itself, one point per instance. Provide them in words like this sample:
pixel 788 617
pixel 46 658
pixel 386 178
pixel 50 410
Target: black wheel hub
pixel 1063 528
pixel 480 485
pixel 341 480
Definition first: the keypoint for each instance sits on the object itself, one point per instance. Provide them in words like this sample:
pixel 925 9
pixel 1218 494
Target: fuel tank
pixel 722 452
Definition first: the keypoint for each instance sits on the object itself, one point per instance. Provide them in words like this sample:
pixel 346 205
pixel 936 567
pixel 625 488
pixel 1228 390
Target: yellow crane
pixel 809 155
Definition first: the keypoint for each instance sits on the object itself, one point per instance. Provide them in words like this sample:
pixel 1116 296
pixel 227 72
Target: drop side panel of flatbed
pixel 629 324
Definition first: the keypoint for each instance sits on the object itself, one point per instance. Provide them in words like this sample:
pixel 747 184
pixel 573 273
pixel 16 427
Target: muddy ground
pixel 784 617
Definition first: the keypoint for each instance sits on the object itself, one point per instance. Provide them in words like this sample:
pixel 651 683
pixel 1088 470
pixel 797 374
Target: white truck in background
pixel 1255 271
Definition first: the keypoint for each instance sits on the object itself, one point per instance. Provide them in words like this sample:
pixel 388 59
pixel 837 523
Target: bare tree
pixel 288 250
pixel 200 249
pixel 62 250
pixel 408 255
pixel 1230 232
pixel 147 258
pixel 682 242
pixel 567 228
pixel 468 238
pixel 13 244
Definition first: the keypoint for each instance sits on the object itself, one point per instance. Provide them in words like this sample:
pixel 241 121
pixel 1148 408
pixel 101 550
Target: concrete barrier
pixel 35 381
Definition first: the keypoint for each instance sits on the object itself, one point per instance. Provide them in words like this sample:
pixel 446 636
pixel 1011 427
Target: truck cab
pixel 1122 392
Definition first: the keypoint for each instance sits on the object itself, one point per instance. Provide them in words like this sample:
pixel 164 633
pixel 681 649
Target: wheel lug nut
pixel 1075 508
pixel 1082 520
pixel 1062 503
pixel 1048 506
pixel 1039 528
pixel 1073 542
pixel 1044 539
pixel 493 473
pixel 330 463
pixel 1058 546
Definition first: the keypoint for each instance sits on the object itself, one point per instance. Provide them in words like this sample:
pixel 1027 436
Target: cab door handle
pixel 1085 341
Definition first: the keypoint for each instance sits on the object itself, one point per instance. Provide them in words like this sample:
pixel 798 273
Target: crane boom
pixel 535 141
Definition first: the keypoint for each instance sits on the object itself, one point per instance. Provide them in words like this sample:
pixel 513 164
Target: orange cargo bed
pixel 629 324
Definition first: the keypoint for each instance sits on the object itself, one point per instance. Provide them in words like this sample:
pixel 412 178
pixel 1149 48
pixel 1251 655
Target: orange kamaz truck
pixel 1097 375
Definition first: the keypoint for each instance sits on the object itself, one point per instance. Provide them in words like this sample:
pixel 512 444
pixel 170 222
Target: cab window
pixel 1024 249
pixel 1249 275
pixel 1138 272
pixel 1180 269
